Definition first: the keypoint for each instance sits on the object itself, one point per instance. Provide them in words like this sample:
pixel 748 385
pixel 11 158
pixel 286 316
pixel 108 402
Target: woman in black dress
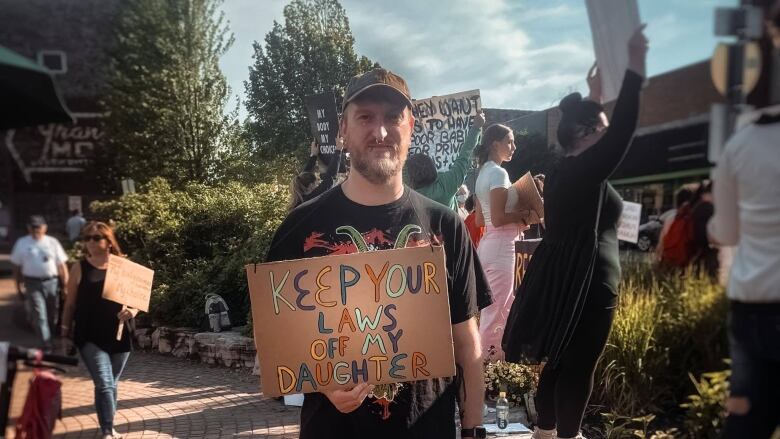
pixel 565 304
pixel 96 321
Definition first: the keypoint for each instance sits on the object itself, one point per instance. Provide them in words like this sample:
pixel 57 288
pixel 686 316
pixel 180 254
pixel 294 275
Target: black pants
pixel 754 344
pixel 564 390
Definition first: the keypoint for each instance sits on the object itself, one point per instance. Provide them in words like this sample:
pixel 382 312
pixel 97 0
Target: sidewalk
pixel 161 396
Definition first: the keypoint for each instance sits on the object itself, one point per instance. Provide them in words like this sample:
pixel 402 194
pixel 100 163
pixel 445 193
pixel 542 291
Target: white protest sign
pixel 628 226
pixel 441 124
pixel 612 23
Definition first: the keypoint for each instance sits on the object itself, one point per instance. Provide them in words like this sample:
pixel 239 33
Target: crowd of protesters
pixel 561 314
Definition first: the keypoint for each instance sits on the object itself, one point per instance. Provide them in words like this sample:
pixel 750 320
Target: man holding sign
pixel 373 210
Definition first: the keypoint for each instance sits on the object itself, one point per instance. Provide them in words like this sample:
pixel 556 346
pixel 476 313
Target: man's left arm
pixel 468 356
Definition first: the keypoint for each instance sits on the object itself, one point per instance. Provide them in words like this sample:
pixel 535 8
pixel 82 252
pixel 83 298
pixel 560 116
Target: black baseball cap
pixel 374 79
pixel 36 221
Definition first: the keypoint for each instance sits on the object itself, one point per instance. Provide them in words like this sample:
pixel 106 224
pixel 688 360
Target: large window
pixel 54 60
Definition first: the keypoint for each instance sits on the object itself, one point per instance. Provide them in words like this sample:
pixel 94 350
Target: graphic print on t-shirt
pixel 349 240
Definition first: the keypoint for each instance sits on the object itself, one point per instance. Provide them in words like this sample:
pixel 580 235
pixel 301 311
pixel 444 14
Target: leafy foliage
pixel 666 326
pixel 312 52
pixel 166 95
pixel 198 241
pixel 705 410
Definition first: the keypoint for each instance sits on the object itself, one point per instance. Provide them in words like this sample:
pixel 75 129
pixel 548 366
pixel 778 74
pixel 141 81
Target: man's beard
pixel 377 171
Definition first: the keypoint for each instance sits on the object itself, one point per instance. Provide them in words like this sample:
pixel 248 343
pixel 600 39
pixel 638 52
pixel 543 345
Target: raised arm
pixel 450 180
pixel 600 160
pixel 327 179
pixel 313 153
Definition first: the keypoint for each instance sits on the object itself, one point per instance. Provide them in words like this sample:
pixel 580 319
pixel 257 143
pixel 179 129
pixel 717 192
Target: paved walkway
pixel 160 396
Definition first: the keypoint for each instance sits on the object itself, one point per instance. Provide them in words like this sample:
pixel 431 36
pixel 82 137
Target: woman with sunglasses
pixel 566 302
pixel 96 321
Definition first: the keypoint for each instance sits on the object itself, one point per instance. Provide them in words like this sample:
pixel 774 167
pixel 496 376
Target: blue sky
pixel 521 54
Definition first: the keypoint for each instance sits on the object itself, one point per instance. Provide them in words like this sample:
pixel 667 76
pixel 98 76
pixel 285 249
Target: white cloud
pixel 463 45
pixel 520 53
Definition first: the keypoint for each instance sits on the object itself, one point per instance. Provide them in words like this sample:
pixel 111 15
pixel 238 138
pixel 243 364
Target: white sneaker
pixel 543 434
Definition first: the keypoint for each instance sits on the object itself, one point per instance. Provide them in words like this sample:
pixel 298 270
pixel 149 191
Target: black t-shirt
pixel 424 409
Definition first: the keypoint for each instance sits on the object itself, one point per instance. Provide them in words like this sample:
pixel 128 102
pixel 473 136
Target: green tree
pixel 166 94
pixel 313 52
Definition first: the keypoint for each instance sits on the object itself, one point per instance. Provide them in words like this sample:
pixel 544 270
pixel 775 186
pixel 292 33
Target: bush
pixel 198 241
pixel 666 326
pixel 706 410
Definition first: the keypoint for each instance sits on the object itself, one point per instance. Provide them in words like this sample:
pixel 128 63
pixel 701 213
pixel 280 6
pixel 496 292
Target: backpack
pixel 217 312
pixel 42 407
pixel 678 241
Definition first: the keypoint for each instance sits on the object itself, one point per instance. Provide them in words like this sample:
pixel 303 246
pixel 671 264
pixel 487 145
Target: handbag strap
pixel 602 194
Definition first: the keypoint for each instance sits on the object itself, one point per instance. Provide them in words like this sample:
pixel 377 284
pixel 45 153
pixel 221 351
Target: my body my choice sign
pixel 337 321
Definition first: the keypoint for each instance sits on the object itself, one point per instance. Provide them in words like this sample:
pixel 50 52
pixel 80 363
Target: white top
pixel 492 176
pixel 38 258
pixel 74 225
pixel 746 191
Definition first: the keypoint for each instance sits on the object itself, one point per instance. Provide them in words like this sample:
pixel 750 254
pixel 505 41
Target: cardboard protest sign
pixel 128 283
pixel 612 23
pixel 338 321
pixel 324 121
pixel 628 225
pixel 529 198
pixel 524 251
pixel 441 124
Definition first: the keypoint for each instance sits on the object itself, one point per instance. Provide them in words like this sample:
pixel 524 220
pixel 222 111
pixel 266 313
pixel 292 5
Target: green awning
pixel 661 177
pixel 28 94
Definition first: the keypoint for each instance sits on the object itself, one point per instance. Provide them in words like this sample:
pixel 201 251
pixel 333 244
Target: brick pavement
pixel 161 396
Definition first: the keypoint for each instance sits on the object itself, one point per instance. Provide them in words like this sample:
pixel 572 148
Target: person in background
pixel 74 225
pixel 475 231
pixel 421 175
pixel 460 197
pixel 39 269
pixel 682 197
pixel 705 255
pixel 746 203
pixel 497 200
pixel 567 300
pixel 305 186
pixel 96 321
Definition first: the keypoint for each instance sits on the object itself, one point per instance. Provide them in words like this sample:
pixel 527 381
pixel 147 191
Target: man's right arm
pixel 18 278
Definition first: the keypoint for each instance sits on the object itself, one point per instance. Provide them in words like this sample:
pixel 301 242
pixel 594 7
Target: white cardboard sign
pixel 628 226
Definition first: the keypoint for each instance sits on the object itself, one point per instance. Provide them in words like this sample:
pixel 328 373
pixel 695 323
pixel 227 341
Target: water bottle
pixel 502 411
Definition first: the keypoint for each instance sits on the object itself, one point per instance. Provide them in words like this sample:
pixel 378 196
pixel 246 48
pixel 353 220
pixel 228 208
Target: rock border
pixel 228 349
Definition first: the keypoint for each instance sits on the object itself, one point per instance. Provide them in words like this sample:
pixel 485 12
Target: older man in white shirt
pixel 39 264
pixel 747 214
